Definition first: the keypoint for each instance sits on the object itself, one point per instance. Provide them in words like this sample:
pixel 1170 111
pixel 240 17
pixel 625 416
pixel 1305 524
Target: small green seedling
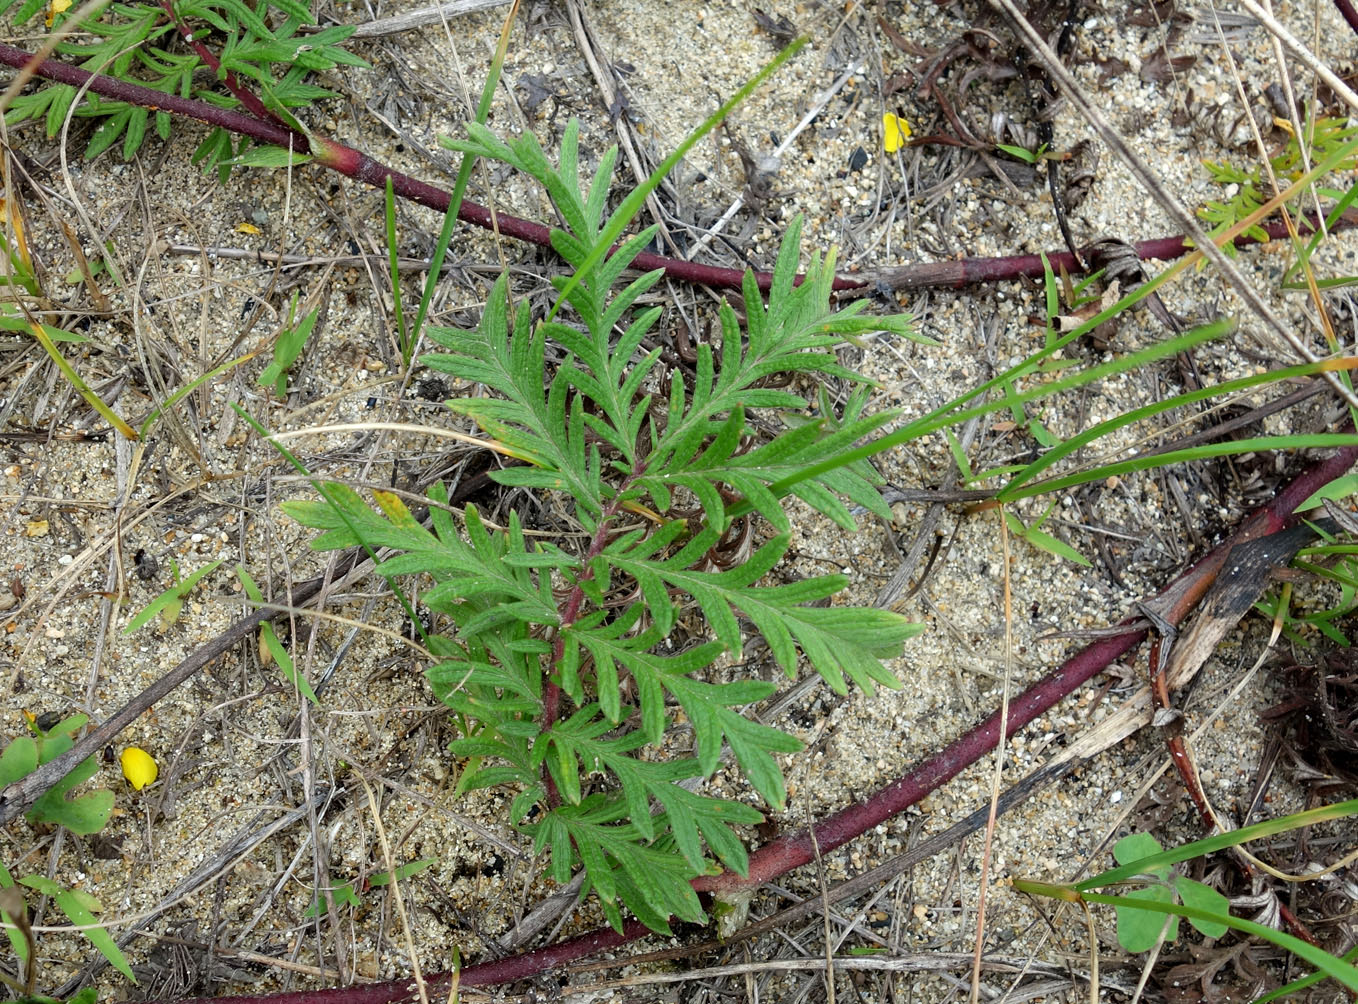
pixel 1043 541
pixel 1248 189
pixel 345 894
pixel 274 644
pixel 83 815
pixel 1032 424
pixel 1028 156
pixel 1139 931
pixel 289 346
pixel 169 603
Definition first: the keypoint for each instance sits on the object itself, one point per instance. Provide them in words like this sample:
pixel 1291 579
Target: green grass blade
pixel 76 381
pixel 393 264
pixel 1219 842
pixel 1326 963
pixel 275 644
pixel 172 595
pixel 947 415
pixel 464 174
pixel 1318 441
pixel 1296 986
pixel 1077 442
pixel 189 388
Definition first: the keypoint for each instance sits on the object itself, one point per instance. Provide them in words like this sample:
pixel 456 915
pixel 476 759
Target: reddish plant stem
pixel 797 849
pixel 507 970
pixel 243 94
pixel 358 165
pixel 976 271
pixel 1350 13
pixel 551 694
pixel 1175 743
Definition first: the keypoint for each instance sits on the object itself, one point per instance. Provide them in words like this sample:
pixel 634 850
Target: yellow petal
pixel 139 767
pixel 895 131
pixel 246 228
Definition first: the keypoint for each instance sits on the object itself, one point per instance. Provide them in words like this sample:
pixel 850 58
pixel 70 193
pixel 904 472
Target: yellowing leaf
pixel 895 131
pixel 396 511
pixel 139 767
pixel 246 228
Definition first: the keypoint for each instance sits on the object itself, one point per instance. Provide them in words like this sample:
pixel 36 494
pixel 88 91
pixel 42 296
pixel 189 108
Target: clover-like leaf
pixel 1142 930
pixel 83 814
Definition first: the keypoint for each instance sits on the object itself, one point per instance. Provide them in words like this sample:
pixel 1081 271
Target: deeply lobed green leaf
pixel 135 41
pixel 568 669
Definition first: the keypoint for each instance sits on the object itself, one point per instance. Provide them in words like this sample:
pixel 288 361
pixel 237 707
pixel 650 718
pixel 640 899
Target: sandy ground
pixel 245 765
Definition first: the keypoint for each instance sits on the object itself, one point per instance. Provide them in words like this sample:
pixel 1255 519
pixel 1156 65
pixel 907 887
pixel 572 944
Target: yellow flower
pixel 139 767
pixel 895 131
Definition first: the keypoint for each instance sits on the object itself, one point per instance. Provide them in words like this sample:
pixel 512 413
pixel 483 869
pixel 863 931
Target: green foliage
pixel 1247 189
pixel 291 340
pixel 1024 154
pixel 274 645
pixel 1040 539
pixel 406 337
pixel 1141 858
pixel 80 908
pixel 170 602
pixel 345 894
pixel 570 662
pixel 83 815
pixel 1139 930
pixel 139 43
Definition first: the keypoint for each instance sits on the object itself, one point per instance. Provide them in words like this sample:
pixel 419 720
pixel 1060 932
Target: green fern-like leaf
pixel 135 41
pixel 565 667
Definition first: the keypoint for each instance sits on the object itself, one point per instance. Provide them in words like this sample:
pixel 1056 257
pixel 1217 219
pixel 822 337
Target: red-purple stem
pixel 785 853
pixel 1350 13
pixel 358 165
pixel 570 613
pixel 794 850
pixel 243 94
pixel 507 970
